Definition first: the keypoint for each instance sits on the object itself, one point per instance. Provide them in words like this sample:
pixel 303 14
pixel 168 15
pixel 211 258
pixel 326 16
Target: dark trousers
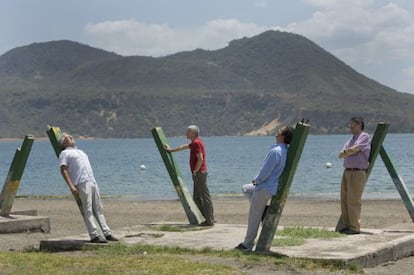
pixel 202 198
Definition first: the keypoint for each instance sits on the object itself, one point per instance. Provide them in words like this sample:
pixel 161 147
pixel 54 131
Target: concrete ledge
pixel 25 212
pixel 79 242
pixel 370 248
pixel 23 223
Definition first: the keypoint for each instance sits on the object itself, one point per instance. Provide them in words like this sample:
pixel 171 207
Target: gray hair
pixel 62 138
pixel 194 129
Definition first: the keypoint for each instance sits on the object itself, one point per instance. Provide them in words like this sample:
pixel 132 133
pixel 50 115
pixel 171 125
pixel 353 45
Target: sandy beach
pixel 122 212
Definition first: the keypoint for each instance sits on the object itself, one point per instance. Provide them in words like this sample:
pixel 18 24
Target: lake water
pixel 232 161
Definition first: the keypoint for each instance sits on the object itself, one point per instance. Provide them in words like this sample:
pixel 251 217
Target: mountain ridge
pixel 239 89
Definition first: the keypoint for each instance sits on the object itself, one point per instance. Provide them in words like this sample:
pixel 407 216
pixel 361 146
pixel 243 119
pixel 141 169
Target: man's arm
pixel 350 151
pixel 65 173
pixel 361 144
pixel 178 148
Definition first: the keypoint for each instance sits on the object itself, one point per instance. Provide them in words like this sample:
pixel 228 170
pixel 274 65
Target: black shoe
pixel 343 230
pixel 98 239
pixel 206 223
pixel 351 232
pixel 243 248
pixel 111 238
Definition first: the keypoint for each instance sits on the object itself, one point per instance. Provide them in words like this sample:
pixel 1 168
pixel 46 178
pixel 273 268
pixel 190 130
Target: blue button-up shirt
pixel 272 168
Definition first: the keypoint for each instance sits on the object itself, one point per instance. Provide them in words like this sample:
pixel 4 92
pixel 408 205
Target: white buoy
pixel 328 165
pixel 142 167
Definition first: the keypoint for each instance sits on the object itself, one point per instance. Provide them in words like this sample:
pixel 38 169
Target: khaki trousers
pixel 202 198
pixel 352 186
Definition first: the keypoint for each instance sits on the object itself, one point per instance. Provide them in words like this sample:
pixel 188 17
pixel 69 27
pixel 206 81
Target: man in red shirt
pixel 201 194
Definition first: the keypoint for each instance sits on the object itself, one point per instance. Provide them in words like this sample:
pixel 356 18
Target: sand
pixel 123 212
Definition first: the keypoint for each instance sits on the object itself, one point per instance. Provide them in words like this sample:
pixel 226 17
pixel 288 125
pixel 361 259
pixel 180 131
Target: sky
pixel 376 38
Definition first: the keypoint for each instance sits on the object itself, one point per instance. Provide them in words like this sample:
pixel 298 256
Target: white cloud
pixel 131 37
pixel 365 34
pixel 374 37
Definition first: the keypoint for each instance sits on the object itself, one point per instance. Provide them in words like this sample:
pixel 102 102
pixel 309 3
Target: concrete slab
pixel 24 223
pixel 370 248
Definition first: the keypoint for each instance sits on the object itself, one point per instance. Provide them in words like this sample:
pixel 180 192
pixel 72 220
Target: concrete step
pixel 370 248
pixel 24 223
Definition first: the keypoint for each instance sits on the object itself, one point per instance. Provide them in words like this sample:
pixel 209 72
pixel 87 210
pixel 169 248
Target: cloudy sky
pixel 374 37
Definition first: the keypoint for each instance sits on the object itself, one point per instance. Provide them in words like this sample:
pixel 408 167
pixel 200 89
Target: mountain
pixel 248 87
pixel 49 59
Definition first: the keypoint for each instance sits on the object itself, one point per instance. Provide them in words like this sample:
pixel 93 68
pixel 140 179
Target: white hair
pixel 194 129
pixel 62 138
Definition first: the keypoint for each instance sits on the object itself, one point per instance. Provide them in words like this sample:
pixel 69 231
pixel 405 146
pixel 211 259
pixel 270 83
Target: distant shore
pixel 43 139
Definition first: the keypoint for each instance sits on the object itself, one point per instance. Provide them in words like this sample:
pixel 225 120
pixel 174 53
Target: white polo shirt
pixel 79 167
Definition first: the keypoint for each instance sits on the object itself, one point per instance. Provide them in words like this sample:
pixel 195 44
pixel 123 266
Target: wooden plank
pixel 12 182
pixel 278 201
pixel 399 183
pixel 54 134
pixel 191 210
pixel 376 144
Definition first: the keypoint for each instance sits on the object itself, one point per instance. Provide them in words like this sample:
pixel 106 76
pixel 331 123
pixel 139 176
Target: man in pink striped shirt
pixel 355 153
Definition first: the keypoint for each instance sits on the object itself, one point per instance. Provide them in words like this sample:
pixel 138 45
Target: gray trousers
pixel 258 203
pixel 92 209
pixel 202 198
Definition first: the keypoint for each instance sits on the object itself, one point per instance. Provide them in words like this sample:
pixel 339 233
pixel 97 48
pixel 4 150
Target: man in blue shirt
pixel 264 185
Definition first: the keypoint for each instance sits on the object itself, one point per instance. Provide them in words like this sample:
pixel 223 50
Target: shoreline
pixel 138 197
pixel 42 138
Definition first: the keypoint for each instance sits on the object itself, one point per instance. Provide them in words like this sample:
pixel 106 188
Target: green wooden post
pixel 399 183
pixel 190 208
pixel 54 134
pixel 278 201
pixel 12 181
pixel 376 144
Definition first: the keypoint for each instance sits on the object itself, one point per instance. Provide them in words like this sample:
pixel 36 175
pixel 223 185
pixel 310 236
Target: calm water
pixel 232 161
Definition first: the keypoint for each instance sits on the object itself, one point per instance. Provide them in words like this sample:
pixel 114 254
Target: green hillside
pixel 252 84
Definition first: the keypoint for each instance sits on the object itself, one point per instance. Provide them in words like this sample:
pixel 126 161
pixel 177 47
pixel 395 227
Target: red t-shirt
pixel 196 147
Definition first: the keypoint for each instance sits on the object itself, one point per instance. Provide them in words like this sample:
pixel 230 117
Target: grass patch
pixel 308 232
pixel 175 228
pixel 296 235
pixel 244 259
pixel 169 228
pixel 45 263
pixel 150 259
pixel 287 241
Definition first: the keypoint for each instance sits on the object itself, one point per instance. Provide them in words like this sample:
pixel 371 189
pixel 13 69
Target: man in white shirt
pixel 78 175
